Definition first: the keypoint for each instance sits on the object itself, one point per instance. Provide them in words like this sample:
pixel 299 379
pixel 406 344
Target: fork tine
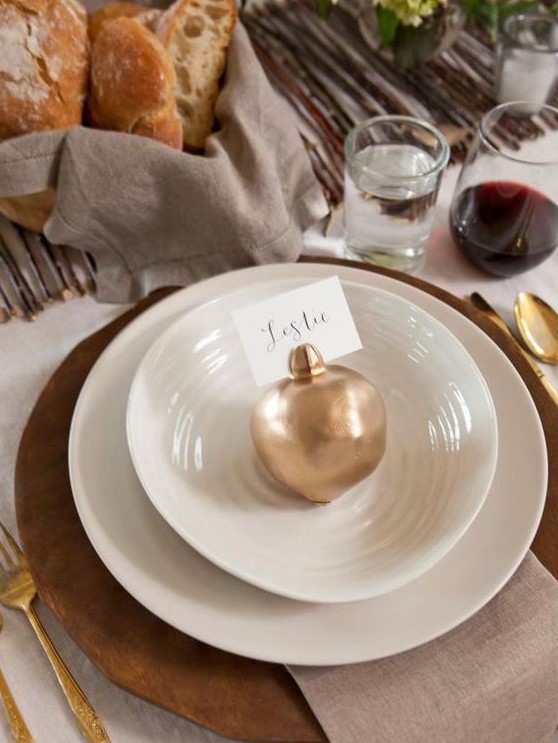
pixel 12 542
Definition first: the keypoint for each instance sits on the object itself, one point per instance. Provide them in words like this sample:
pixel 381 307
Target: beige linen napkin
pixel 494 679
pixel 152 216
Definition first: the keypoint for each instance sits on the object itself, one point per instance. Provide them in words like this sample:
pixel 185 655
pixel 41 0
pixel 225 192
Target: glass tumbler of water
pixel 527 67
pixel 393 168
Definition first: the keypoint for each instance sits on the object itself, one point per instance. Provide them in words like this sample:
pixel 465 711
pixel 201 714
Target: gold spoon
pixel 20 732
pixel 537 323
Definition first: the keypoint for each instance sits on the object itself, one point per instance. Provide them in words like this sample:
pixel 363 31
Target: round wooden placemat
pixel 233 696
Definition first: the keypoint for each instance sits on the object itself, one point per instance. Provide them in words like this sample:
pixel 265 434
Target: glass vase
pixel 413 44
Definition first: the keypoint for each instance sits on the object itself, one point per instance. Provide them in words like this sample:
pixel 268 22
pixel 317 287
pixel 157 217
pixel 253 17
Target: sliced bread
pixel 197 33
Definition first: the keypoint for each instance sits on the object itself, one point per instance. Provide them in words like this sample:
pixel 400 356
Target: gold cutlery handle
pixel 20 731
pixel 89 723
pixel 547 384
pixel 481 304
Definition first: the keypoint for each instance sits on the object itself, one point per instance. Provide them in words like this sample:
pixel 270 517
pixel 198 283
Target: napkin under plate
pixel 494 679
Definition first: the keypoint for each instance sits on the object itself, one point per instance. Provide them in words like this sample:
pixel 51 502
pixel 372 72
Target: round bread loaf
pixel 197 34
pixel 44 57
pixel 44 60
pixel 132 83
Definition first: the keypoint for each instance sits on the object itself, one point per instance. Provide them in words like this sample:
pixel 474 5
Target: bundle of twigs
pixel 34 274
pixel 333 80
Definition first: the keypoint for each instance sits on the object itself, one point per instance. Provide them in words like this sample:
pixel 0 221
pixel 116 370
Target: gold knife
pixel 481 304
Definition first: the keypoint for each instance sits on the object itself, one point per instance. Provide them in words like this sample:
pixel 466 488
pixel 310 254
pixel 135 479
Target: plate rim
pixel 167 308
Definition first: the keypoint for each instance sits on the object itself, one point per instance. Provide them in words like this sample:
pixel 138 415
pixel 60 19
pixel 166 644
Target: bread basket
pixel 151 215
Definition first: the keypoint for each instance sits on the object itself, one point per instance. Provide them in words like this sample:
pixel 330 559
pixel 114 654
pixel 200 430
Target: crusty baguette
pixel 147 16
pixel 44 61
pixel 197 34
pixel 132 82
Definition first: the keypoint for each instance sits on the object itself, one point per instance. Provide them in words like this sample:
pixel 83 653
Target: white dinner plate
pixel 189 592
pixel 189 436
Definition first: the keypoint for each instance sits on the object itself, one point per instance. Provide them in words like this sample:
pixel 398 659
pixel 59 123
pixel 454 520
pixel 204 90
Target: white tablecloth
pixel 30 353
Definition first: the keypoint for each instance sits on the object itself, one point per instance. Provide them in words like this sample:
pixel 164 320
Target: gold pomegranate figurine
pixel 322 431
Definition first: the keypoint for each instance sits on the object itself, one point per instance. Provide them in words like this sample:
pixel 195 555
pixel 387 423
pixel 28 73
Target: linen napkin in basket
pixel 152 216
pixel 494 679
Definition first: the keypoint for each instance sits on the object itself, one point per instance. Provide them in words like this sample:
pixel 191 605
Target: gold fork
pixel 20 731
pixel 17 590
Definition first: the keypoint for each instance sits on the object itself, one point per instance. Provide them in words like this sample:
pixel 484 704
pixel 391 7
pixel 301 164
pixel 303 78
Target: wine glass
pixel 504 212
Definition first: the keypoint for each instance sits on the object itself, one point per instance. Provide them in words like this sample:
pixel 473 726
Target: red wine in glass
pixel 504 228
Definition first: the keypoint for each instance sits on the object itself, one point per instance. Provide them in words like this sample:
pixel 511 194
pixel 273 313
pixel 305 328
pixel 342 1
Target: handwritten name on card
pixel 317 313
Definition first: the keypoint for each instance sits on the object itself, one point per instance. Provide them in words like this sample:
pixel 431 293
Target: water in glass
pixel 389 204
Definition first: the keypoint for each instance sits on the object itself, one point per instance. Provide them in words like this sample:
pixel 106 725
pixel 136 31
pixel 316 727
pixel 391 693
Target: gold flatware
pixel 537 323
pixel 17 590
pixel 481 304
pixel 20 731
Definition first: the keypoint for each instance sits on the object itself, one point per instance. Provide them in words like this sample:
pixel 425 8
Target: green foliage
pixel 388 24
pixel 324 8
pixel 400 21
pixel 490 13
pixel 411 12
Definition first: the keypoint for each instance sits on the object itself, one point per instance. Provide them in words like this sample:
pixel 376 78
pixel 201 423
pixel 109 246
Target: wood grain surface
pixel 234 696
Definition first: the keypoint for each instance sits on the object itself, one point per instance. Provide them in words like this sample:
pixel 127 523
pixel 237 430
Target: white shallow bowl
pixel 188 434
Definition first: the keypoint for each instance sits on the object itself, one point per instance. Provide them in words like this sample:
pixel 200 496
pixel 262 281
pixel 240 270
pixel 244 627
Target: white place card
pixel 317 314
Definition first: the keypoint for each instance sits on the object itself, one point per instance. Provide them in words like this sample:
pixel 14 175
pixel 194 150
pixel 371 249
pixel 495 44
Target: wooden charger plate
pixel 231 695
